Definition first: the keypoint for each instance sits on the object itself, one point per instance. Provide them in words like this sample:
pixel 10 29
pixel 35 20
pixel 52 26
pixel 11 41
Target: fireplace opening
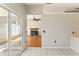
pixel 33 33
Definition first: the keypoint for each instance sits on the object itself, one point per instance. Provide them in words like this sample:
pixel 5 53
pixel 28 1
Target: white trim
pixel 21 35
pixel 57 47
pixel 74 50
pixel 52 47
pixel 9 33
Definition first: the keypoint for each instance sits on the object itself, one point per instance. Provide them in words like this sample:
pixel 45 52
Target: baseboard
pixel 74 50
pixel 52 47
pixel 58 47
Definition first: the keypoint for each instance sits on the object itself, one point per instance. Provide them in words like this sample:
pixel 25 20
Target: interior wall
pixel 58 27
pixel 75 40
pixel 75 43
pixel 34 9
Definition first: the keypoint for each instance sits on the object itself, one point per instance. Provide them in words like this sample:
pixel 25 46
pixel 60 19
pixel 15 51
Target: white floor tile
pixel 49 52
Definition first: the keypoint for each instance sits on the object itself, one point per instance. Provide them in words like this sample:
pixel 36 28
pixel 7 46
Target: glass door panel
pixel 3 32
pixel 16 23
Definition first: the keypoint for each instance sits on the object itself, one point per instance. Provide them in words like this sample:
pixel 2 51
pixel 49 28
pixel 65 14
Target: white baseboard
pixel 51 47
pixel 74 50
pixel 58 47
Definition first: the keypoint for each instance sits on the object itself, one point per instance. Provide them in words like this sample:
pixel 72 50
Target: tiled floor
pixel 14 52
pixel 49 52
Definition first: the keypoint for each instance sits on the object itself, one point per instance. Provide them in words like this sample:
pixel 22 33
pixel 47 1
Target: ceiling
pixel 58 7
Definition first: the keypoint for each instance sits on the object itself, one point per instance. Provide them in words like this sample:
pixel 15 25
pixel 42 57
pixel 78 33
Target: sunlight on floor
pixel 49 52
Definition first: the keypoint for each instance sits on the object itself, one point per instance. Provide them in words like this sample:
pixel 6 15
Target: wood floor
pixel 49 52
pixel 34 41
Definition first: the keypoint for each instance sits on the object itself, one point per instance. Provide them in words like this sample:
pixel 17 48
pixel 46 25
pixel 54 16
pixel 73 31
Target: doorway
pixel 34 37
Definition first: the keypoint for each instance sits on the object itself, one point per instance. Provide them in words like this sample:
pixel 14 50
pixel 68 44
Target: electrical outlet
pixel 44 31
pixel 55 41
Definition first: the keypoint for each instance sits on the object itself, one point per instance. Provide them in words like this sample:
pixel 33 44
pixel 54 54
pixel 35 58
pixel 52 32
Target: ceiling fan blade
pixel 71 11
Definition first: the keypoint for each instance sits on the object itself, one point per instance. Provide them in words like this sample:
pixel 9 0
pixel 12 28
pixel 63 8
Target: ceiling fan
pixel 36 19
pixel 76 10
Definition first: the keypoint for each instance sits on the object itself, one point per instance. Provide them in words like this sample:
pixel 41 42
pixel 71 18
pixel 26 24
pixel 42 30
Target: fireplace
pixel 34 31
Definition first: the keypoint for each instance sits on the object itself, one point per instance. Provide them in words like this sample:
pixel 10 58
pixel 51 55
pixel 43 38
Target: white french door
pixel 10 33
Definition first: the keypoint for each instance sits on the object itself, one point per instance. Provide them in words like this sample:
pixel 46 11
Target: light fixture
pixel 36 18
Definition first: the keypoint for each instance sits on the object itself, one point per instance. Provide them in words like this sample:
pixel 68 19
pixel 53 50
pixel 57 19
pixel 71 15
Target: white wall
pixel 75 40
pixel 58 27
pixel 34 9
pixel 75 43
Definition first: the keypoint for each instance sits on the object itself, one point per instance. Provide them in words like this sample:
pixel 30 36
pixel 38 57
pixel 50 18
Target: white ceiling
pixel 57 7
